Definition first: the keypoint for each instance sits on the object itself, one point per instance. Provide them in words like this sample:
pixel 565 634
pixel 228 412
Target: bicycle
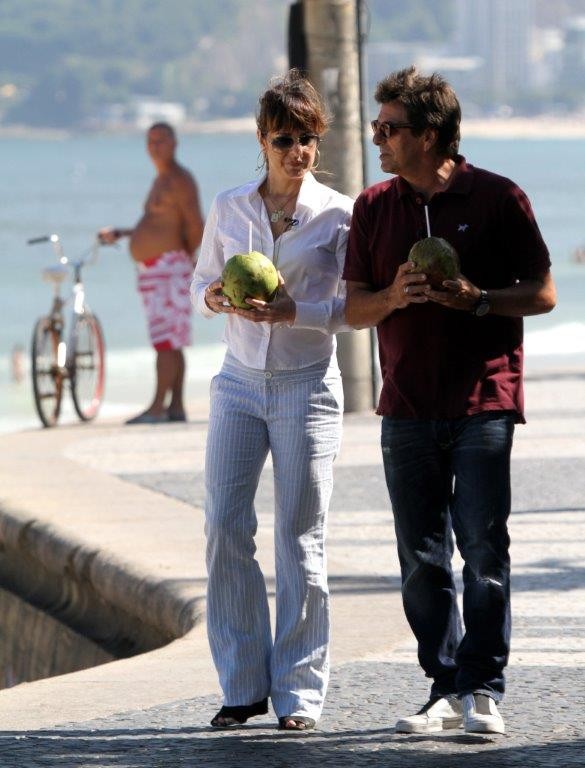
pixel 71 351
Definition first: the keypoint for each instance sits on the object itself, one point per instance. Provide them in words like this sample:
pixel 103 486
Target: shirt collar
pixel 308 194
pixel 460 184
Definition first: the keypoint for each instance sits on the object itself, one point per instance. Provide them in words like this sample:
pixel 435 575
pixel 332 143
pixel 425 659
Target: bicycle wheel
pixel 87 367
pixel 47 377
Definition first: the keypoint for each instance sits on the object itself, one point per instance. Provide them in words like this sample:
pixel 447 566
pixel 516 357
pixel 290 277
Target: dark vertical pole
pixel 330 33
pixel 360 11
pixel 297 43
pixel 362 85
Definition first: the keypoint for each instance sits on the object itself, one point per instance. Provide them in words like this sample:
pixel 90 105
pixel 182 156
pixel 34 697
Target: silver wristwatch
pixel 482 305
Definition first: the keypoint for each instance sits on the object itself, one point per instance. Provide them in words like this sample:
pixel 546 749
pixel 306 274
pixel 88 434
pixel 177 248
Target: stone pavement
pixel 375 678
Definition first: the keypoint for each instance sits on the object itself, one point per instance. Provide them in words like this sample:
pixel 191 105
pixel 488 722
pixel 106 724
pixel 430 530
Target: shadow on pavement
pixel 551 574
pixel 355 583
pixel 150 748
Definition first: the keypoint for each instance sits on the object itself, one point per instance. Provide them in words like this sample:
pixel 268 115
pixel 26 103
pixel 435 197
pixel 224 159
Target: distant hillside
pixel 61 61
pixel 68 57
pixel 64 61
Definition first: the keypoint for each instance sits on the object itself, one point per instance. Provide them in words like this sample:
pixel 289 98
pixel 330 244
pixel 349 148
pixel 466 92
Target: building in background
pixel 501 56
pixel 573 66
pixel 499 34
pixel 138 114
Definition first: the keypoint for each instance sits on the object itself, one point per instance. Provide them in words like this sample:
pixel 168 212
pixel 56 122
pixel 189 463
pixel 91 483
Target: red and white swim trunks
pixel 164 284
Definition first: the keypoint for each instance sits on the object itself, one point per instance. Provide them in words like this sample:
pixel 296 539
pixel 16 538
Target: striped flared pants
pixel 296 415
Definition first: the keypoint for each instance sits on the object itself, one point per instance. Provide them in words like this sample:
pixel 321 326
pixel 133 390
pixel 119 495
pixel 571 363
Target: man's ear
pixel 430 137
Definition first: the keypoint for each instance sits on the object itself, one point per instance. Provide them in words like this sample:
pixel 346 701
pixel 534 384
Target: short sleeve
pixel 358 263
pixel 525 245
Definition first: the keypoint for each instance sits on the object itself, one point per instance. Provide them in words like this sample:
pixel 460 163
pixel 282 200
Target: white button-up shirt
pixel 310 256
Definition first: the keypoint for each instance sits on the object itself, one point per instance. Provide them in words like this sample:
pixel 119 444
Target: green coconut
pixel 437 258
pixel 249 276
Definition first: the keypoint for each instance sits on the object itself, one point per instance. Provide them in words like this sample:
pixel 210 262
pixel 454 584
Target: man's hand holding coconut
pixel 436 264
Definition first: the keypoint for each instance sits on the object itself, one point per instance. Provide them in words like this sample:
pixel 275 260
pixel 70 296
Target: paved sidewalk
pixel 137 496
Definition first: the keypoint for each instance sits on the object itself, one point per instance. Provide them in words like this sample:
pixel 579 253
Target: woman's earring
pixel 260 160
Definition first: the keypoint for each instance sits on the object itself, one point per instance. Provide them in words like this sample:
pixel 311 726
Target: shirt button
pixel 267 375
pixel 419 200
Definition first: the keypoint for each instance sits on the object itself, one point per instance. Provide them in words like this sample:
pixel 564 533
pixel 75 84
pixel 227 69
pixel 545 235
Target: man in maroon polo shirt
pixel 451 363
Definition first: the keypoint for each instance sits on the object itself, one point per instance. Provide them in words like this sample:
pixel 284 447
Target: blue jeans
pixel 449 475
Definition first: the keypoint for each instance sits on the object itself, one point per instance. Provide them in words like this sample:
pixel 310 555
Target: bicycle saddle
pixel 55 274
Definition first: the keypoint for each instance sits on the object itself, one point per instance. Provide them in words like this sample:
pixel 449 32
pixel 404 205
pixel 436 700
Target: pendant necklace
pixel 277 214
pixel 277 242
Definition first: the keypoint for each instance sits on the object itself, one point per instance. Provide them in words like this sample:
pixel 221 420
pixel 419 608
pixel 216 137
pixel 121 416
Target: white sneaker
pixel 480 714
pixel 436 715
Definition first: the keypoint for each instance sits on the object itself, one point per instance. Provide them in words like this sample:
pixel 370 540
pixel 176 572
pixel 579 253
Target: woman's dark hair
pixel 291 103
pixel 429 102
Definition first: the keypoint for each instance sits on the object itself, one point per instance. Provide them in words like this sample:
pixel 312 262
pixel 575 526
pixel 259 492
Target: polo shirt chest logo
pixel 462 227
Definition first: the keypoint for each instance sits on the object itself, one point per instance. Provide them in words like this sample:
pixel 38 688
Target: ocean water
pixel 74 186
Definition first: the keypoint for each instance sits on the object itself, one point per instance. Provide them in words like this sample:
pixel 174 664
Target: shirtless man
pixel 163 244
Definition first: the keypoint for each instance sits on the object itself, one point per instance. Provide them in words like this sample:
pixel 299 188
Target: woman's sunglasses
pixel 285 142
pixel 388 128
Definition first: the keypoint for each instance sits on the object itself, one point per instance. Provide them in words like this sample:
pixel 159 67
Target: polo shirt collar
pixel 461 180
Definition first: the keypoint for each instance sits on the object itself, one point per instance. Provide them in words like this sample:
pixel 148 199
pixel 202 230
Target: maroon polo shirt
pixel 438 362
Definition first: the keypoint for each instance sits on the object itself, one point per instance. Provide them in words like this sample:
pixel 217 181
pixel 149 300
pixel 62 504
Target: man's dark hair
pixel 429 102
pixel 164 127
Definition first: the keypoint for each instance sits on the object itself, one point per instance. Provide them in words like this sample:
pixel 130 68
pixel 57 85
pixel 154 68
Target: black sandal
pixel 301 723
pixel 239 714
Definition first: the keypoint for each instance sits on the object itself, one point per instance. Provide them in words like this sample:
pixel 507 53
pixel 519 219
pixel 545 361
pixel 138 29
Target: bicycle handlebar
pixel 58 248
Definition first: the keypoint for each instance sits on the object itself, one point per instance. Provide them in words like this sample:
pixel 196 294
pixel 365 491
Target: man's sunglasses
pixel 388 128
pixel 285 142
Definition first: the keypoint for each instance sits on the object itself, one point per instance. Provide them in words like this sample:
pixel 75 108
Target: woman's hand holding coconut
pixel 282 309
pixel 215 299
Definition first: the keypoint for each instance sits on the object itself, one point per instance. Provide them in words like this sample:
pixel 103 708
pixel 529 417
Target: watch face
pixel 482 308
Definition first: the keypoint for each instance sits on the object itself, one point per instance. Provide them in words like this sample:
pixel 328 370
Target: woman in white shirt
pixel 279 391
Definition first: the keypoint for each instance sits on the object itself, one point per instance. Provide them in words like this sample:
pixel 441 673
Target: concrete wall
pixel 65 606
pixel 34 645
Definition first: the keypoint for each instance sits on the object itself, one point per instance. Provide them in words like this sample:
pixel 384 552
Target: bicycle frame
pixel 79 308
pixel 75 349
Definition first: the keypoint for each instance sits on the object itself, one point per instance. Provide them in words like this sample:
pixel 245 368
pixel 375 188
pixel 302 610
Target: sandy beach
pixel 534 127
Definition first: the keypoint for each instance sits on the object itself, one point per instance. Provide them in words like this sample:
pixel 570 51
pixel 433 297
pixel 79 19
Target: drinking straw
pixel 428 222
pixel 249 237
